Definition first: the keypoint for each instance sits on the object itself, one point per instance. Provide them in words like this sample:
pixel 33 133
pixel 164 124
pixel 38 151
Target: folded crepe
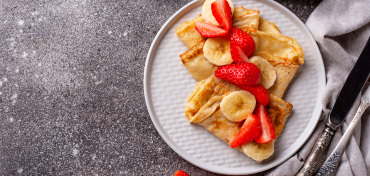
pixel 268 26
pixel 276 48
pixel 284 53
pixel 246 17
pixel 187 32
pixel 198 66
pixel 203 108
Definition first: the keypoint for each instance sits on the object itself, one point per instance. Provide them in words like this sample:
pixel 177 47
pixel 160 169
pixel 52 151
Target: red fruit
pixel 181 173
pixel 208 30
pixel 221 10
pixel 268 130
pixel 240 73
pixel 260 92
pixel 244 40
pixel 237 54
pixel 250 130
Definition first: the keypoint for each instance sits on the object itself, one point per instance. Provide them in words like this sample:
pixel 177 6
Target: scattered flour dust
pixel 75 152
pixel 21 22
pixel 20 170
pixel 14 96
pixel 24 55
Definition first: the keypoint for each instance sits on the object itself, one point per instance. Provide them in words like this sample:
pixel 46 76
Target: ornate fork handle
pixel 316 152
pixel 331 164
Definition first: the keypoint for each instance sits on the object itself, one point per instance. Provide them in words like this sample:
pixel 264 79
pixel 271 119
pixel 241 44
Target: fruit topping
pixel 240 73
pixel 208 30
pixel 222 12
pixel 207 12
pixel 268 130
pixel 250 130
pixel 244 40
pixel 217 50
pixel 268 74
pixel 237 54
pixel 259 92
pixel 238 105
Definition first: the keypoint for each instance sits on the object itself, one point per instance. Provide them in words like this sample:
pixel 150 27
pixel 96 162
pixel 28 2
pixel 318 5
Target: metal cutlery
pixel 347 96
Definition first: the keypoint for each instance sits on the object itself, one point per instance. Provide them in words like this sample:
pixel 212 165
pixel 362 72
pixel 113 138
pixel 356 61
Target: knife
pixel 347 96
pixel 330 166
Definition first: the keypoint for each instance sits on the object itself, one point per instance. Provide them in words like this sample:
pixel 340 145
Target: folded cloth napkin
pixel 341 29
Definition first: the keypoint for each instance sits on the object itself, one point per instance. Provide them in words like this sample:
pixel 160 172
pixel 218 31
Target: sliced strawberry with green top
pixel 221 10
pixel 240 73
pixel 250 130
pixel 208 30
pixel 260 92
pixel 237 54
pixel 244 40
pixel 268 130
pixel 181 173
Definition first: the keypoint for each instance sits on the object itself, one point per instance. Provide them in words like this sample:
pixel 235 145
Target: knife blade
pixel 351 88
pixel 347 96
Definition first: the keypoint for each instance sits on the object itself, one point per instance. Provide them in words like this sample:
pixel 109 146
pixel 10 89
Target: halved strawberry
pixel 244 40
pixel 208 30
pixel 181 173
pixel 221 10
pixel 260 92
pixel 268 130
pixel 250 130
pixel 240 73
pixel 237 54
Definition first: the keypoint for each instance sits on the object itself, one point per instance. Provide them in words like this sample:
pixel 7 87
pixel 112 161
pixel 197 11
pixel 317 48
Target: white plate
pixel 167 84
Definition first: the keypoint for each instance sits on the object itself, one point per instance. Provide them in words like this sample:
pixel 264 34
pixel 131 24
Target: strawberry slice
pixel 181 173
pixel 221 10
pixel 240 73
pixel 250 130
pixel 268 130
pixel 208 30
pixel 260 92
pixel 244 40
pixel 237 54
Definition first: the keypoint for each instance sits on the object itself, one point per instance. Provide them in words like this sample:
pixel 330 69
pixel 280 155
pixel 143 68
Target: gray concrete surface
pixel 71 87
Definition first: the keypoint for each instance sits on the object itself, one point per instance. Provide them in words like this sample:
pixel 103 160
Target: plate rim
pixel 206 166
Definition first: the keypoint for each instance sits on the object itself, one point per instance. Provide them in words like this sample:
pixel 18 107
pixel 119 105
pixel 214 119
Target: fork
pixel 331 164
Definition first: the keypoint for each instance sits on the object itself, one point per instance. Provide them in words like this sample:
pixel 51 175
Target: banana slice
pixel 238 105
pixel 207 12
pixel 217 51
pixel 268 74
pixel 258 151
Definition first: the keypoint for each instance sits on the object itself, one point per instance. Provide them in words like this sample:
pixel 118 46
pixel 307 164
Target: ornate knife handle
pixel 331 164
pixel 316 152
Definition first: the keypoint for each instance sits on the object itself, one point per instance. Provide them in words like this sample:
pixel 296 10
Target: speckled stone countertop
pixel 71 87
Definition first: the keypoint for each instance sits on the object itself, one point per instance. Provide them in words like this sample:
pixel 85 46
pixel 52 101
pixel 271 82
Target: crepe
pixel 268 27
pixel 246 17
pixel 198 66
pixel 187 32
pixel 203 108
pixel 203 105
pixel 276 48
pixel 284 74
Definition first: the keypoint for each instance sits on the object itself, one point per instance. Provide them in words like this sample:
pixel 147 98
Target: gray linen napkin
pixel 341 28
